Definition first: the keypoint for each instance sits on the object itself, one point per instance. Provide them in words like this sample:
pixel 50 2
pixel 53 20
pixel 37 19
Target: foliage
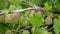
pixel 36 20
pixel 42 17
pixel 2 4
pixel 47 6
pixel 56 25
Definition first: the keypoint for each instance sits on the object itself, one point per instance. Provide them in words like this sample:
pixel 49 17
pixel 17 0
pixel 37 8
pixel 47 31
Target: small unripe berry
pixel 32 30
pixel 15 15
pixel 50 33
pixel 10 32
pixel 48 20
pixel 8 18
pixel 25 32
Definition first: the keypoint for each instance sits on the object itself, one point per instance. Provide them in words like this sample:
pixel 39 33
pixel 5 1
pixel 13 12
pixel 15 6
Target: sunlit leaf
pixel 47 6
pixel 6 11
pixel 37 20
pixel 56 25
pixel 12 7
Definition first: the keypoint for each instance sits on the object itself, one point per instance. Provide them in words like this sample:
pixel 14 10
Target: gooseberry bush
pixel 29 16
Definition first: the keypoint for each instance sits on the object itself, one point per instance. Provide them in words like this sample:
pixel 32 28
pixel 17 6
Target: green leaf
pixel 2 4
pixel 58 7
pixel 38 3
pixel 47 6
pixel 3 28
pixel 37 20
pixel 12 7
pixel 6 11
pixel 14 25
pixel 15 7
pixel 18 7
pixel 15 1
pixel 57 25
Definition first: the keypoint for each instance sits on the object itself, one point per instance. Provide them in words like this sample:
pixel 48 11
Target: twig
pixel 22 10
pixel 26 28
pixel 50 29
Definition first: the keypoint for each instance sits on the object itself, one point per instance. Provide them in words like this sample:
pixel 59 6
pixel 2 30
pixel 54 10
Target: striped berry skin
pixel 40 9
pixel 8 18
pixel 49 20
pixel 15 15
